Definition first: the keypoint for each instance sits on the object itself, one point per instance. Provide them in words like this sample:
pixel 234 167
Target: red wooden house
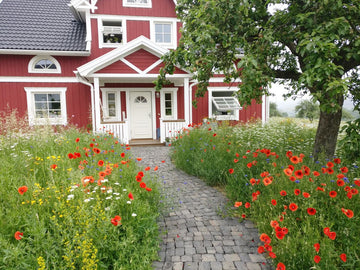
pixel 93 62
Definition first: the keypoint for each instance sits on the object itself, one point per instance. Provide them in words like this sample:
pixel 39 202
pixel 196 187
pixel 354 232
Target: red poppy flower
pixel 330 170
pixel 332 235
pixel 340 182
pixel 293 207
pixel 131 197
pixel 265 238
pixel 340 176
pixel 326 231
pixel 333 194
pixel 299 174
pixel 214 135
pixel 252 181
pixel 243 216
pixel 236 160
pixel 96 150
pixel 349 213
pixel 317 259
pixel 316 173
pixel 279 235
pixel 71 156
pixel 267 181
pixel 238 204
pixel 22 190
pixel 100 163
pixel 231 171
pixel 289 154
pixel 280 266
pixel 77 140
pixel 306 195
pixel 297 192
pixel 77 155
pixel 249 165
pixel 116 220
pixel 148 189
pixel 295 159
pixel 156 168
pixel 343 257
pixel 288 171
pixel 320 189
pixel 344 169
pixel 317 247
pixel 272 255
pixel 142 185
pixel 330 164
pixel 147 169
pixel 337 160
pixel 354 191
pixel 138 159
pixel 261 249
pixel 18 235
pixel 311 211
pixel 283 193
pixel 273 202
pixel 306 170
pixel 163 161
pixel 291 167
pixel 53 166
pixel 285 230
pixel 122 155
pixel 247 205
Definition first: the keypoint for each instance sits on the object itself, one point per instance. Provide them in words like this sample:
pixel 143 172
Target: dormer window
pixel 137 3
pixel 44 64
pixel 111 33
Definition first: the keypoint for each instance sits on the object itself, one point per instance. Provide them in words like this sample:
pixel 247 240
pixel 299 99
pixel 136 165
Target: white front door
pixel 140 115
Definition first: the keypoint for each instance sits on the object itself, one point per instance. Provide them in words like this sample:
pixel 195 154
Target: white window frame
pixel 233 116
pixel 102 19
pixel 35 59
pixel 105 92
pixel 137 4
pixel 173 92
pixel 31 91
pixel 173 43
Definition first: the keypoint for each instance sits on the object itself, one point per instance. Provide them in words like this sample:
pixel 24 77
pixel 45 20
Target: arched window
pixel 44 64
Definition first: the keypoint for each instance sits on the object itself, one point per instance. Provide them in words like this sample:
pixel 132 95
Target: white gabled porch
pixel 126 104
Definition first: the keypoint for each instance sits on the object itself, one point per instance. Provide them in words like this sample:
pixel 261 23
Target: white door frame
pixel 153 107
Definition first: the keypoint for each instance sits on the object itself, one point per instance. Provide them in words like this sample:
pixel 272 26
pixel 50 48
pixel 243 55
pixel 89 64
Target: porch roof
pixel 126 70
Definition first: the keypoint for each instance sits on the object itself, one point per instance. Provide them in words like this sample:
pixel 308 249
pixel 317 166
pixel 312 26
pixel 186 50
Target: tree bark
pixel 327 132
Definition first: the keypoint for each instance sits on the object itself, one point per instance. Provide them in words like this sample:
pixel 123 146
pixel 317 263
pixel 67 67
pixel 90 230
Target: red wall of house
pixel 136 29
pixel 160 8
pixel 77 100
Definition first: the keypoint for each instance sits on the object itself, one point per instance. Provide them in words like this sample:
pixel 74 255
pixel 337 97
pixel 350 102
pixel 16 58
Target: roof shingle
pixel 40 25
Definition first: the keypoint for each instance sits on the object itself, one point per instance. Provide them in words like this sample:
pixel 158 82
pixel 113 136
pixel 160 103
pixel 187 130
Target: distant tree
pixel 347 115
pixel 274 112
pixel 307 109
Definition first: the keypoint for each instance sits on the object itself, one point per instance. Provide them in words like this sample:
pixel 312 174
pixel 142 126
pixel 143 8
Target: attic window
pixel 44 64
pixel 137 3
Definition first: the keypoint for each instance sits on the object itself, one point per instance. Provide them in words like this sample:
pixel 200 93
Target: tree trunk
pixel 327 133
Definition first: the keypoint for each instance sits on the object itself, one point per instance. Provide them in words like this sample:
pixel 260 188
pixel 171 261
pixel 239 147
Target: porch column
pixel 187 105
pixel 97 104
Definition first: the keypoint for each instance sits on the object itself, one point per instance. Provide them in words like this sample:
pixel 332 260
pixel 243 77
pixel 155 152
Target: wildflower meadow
pixel 74 200
pixel 306 211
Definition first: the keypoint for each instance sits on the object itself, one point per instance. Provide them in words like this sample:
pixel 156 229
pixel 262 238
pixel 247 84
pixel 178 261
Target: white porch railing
pixel 119 129
pixel 170 128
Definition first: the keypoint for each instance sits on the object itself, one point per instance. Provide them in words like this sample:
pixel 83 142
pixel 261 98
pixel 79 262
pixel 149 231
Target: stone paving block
pixel 178 266
pixel 208 258
pixel 179 251
pixel 200 250
pixel 253 266
pixel 219 257
pixel 219 249
pixel 228 243
pixel 197 258
pixel 257 258
pixel 175 258
pixel 231 257
pixel 190 251
pixel 216 266
pixel 204 266
pixel 240 265
pixel 228 265
pixel 186 258
pixel 191 266
pixel 210 250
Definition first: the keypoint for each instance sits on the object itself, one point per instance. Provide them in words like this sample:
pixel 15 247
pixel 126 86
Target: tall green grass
pixel 76 185
pixel 307 211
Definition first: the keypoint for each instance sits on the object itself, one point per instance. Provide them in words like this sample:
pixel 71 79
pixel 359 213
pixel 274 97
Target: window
pixel 44 64
pixel 163 33
pixel 137 3
pixel 46 106
pixel 111 32
pixel 140 99
pixel 168 104
pixel 111 105
pixel 223 105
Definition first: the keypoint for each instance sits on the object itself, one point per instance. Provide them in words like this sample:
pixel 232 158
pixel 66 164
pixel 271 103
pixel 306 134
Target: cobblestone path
pixel 195 235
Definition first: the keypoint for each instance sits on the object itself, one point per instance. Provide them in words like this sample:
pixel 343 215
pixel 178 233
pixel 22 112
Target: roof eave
pixel 44 52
